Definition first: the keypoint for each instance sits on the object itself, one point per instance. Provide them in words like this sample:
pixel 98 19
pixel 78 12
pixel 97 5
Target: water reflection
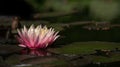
pixel 36 52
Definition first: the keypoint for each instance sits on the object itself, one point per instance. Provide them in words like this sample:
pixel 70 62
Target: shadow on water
pixel 78 34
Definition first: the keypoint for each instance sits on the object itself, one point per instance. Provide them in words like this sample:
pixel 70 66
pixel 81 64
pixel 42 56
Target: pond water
pixel 14 56
pixel 79 34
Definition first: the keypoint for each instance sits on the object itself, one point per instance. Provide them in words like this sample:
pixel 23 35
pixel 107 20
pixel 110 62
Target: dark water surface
pixel 79 34
pixel 71 34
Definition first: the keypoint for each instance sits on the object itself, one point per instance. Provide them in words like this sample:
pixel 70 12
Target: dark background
pixel 15 7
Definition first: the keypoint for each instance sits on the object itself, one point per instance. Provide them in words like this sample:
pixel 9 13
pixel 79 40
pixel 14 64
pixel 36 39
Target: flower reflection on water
pixel 36 52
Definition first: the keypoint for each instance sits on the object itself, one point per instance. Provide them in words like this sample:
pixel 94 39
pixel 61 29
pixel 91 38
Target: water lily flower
pixel 36 37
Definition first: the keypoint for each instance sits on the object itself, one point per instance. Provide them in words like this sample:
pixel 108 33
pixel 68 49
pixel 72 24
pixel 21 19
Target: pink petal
pixel 21 45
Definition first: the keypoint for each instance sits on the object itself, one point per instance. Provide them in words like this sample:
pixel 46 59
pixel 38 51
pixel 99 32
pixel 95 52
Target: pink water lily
pixel 36 37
